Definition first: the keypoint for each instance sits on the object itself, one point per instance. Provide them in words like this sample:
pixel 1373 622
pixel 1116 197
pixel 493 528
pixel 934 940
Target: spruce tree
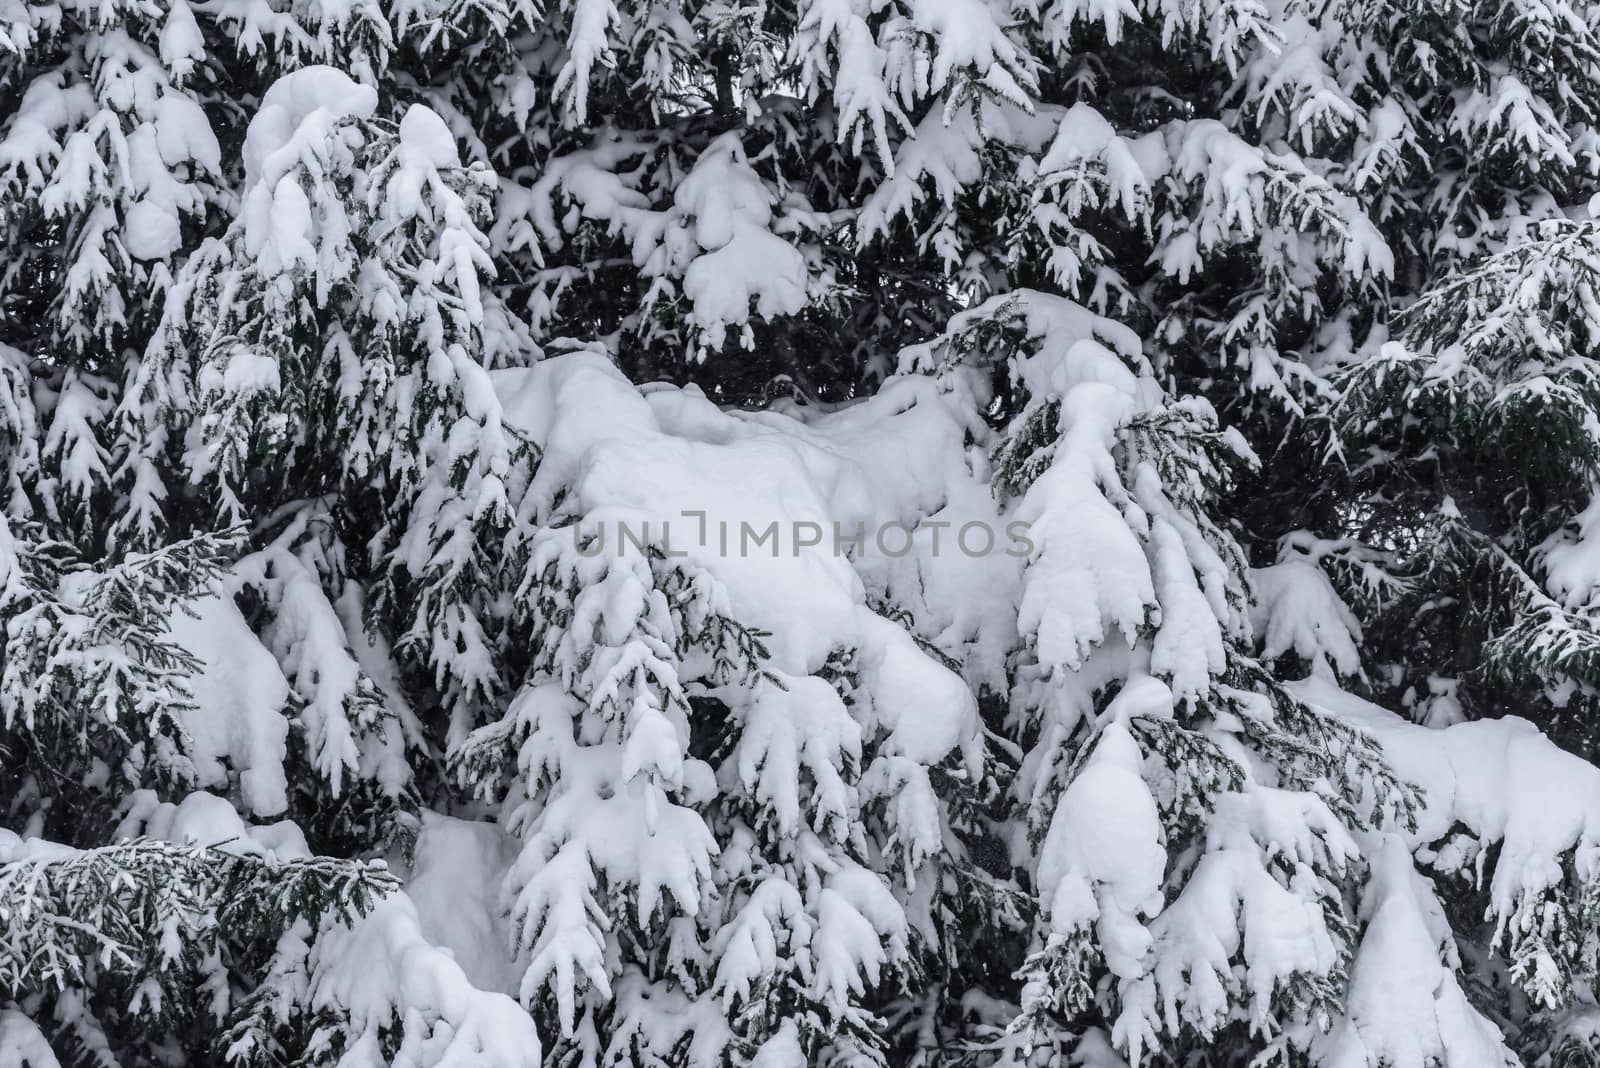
pixel 613 533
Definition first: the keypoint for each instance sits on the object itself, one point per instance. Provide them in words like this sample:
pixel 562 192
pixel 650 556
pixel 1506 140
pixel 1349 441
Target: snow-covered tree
pixel 819 533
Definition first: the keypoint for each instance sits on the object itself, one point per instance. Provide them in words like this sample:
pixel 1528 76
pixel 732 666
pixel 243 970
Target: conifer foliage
pixel 829 533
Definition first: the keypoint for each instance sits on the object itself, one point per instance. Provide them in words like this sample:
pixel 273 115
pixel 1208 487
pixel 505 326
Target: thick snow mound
pixel 205 819
pixel 670 466
pixel 238 721
pixel 1501 779
pixel 1405 1008
pixel 298 109
pixel 456 871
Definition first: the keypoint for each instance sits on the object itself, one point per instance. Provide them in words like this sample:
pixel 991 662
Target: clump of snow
pixel 1109 550
pixel 926 708
pixel 1238 933
pixel 945 153
pixel 341 712
pixel 22 1044
pixel 1572 558
pixel 1405 1006
pixel 961 579
pixel 208 820
pixel 1297 609
pixel 297 112
pixel 151 230
pixel 1103 860
pixel 1085 140
pixel 676 465
pixel 971 35
pixel 238 722
pixel 1506 783
pixel 382 973
pixel 292 129
pixel 720 236
pixel 1089 575
pixel 804 726
pixel 1501 778
pixel 456 870
pixel 426 144
pixel 741 259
